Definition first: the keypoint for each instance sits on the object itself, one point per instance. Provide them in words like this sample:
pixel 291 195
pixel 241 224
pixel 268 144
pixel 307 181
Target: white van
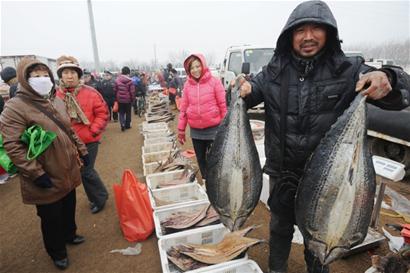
pixel 235 56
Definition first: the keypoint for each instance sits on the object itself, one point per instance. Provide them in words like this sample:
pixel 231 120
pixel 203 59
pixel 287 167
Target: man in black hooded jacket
pixel 320 82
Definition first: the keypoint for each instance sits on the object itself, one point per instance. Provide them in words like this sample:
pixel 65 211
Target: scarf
pixel 73 107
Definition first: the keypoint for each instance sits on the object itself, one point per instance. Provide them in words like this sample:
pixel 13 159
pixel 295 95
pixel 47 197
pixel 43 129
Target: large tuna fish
pixel 234 177
pixel 335 197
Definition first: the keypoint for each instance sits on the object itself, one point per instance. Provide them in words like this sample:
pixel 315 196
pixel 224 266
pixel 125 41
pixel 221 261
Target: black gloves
pixel 86 160
pixel 43 181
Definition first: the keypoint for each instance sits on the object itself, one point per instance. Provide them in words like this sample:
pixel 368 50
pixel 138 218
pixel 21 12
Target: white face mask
pixel 42 85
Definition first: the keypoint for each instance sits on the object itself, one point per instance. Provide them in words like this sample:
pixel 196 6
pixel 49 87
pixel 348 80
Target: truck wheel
pixel 393 151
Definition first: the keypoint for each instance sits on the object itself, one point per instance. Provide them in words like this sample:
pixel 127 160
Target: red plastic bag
pixel 133 208
pixel 115 107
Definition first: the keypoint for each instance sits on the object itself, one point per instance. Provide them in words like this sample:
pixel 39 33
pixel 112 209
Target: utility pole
pixel 155 56
pixel 93 37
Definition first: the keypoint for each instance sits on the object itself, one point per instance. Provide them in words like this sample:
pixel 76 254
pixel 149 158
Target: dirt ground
pixel 21 246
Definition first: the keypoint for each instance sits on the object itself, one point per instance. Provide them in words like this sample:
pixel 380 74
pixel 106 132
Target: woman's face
pixel 196 69
pixel 39 73
pixel 70 77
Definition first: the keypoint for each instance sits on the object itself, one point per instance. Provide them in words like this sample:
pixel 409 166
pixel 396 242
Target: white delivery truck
pixel 256 56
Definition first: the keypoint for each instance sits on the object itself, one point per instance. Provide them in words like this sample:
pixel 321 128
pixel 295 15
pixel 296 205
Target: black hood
pixel 309 12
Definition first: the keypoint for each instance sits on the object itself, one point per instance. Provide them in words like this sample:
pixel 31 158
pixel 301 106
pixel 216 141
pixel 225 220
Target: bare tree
pixel 398 51
pixel 177 58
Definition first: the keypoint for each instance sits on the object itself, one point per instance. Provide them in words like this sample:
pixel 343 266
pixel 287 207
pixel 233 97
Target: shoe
pixel 61 264
pixel 127 127
pixel 96 209
pixel 78 239
pixel 122 128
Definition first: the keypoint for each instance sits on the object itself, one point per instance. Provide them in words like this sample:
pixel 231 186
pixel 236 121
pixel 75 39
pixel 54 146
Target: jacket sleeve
pixel 115 91
pixel 132 91
pixel 182 110
pixel 256 96
pixel 100 111
pixel 220 97
pixel 12 126
pixel 399 96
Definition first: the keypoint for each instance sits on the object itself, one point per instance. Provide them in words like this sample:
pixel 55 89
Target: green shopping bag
pixel 37 141
pixel 5 160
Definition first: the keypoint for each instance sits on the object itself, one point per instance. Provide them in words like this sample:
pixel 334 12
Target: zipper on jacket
pixel 199 112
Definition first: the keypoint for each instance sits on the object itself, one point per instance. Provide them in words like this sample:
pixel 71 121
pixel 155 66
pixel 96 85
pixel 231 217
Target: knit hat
pixel 8 73
pixel 68 62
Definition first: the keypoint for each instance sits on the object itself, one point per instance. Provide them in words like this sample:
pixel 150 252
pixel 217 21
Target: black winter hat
pixel 8 73
pixel 125 70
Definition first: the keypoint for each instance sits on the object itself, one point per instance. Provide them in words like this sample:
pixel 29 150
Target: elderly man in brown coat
pixel 48 181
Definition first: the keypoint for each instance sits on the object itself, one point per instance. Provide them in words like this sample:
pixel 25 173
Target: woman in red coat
pixel 89 117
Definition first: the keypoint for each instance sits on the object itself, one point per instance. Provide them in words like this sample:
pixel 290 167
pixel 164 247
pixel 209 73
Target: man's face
pixel 309 39
pixel 87 78
pixel 70 77
pixel 107 76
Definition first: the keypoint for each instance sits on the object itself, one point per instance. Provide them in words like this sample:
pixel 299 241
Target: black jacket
pixel 13 90
pixel 106 88
pixel 315 99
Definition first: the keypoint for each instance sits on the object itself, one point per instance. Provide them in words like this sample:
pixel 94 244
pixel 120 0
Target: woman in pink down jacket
pixel 203 107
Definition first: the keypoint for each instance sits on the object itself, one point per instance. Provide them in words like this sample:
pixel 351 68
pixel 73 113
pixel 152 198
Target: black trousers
pixel 58 224
pixel 202 148
pixel 124 110
pixel 281 235
pixel 113 115
pixel 93 185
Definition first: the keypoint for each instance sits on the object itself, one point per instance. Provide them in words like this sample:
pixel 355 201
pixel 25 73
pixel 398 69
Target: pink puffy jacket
pixel 203 102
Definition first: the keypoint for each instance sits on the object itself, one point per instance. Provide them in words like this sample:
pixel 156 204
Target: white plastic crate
pixel 146 127
pixel 158 140
pixel 260 147
pixel 157 147
pixel 149 168
pixel 155 157
pixel 162 214
pixel 206 235
pixel 246 266
pixel 265 190
pixel 178 195
pixel 153 180
pixel 258 129
pixel 157 133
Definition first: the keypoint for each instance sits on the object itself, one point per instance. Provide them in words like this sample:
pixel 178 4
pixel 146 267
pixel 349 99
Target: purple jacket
pixel 124 89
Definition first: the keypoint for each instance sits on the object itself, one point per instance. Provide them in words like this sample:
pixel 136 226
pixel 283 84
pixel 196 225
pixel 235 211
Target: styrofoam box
pixel 162 214
pixel 154 157
pixel 154 126
pixel 178 195
pixel 158 147
pixel 246 266
pixel 154 179
pixel 206 235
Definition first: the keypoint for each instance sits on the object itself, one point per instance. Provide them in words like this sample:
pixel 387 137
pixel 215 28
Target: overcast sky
pixel 130 29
